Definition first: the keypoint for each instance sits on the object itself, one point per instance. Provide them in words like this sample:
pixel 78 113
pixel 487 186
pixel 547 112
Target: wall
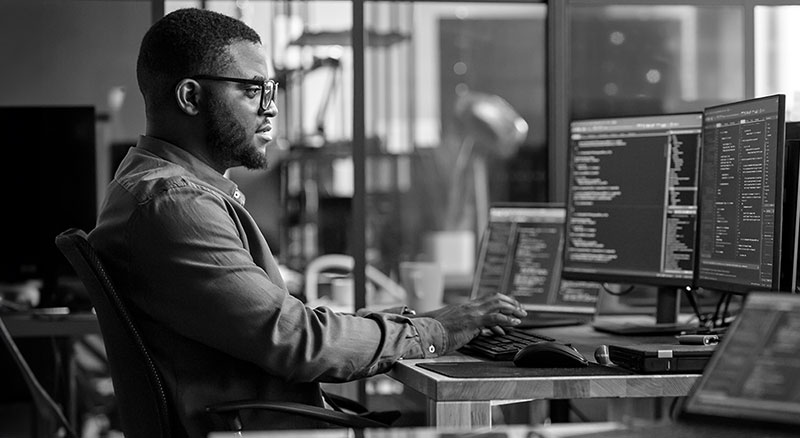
pixel 73 53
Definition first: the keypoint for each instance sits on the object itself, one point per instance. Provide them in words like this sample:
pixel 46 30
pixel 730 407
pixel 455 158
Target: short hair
pixel 184 43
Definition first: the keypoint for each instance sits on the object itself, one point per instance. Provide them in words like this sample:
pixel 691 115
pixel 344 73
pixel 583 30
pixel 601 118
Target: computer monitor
pixel 48 185
pixel 748 218
pixel 520 255
pixel 632 203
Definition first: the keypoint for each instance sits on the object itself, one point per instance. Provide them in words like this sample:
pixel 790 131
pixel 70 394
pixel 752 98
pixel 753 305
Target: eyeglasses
pixel 269 88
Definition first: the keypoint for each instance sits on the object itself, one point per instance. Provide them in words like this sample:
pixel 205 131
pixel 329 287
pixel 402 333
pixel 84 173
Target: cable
pixel 693 302
pixel 581 416
pixel 717 309
pixel 620 293
pixel 672 406
pixel 725 311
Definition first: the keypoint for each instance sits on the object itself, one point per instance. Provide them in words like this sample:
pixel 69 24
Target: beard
pixel 228 139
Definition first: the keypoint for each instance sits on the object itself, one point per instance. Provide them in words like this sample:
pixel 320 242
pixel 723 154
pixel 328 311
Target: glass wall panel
pixel 777 63
pixel 455 105
pixel 643 59
pixel 303 201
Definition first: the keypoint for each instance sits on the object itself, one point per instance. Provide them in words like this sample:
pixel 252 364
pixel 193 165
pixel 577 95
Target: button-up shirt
pixel 210 303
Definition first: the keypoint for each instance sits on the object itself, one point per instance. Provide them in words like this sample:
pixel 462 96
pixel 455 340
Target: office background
pixel 371 129
pixel 426 69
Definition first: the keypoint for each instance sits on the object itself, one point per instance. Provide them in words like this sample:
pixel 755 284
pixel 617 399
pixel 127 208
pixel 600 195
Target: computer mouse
pixel 549 355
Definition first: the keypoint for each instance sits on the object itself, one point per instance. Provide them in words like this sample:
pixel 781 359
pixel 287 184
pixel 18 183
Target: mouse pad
pixel 487 369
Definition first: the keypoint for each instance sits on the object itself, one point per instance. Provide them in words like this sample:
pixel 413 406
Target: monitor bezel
pixel 785 211
pixel 617 276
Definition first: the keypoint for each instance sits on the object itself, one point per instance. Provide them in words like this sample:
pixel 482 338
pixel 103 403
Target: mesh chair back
pixel 138 387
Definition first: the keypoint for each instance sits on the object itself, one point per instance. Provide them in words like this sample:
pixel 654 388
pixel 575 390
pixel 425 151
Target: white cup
pixel 424 285
pixel 342 291
pixel 453 250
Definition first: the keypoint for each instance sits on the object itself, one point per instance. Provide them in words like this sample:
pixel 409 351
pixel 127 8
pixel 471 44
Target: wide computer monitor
pixel 48 185
pixel 632 203
pixel 748 218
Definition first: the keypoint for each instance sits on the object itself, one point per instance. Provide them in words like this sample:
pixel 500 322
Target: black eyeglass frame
pixel 269 88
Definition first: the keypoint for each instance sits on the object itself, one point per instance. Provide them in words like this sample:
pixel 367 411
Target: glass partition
pixel 650 59
pixel 776 61
pixel 455 115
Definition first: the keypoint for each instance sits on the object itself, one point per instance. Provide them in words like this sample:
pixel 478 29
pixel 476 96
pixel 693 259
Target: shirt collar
pixel 195 166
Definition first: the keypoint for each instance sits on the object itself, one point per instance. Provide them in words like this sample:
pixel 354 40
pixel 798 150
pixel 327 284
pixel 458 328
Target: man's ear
pixel 187 96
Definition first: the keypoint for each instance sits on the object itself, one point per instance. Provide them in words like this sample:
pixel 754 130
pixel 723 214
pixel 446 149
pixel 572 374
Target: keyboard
pixel 502 347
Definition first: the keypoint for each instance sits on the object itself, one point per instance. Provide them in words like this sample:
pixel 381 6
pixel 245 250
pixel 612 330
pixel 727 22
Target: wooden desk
pixel 468 402
pixel 515 431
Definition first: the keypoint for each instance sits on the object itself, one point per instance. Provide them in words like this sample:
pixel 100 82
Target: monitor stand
pixel 666 319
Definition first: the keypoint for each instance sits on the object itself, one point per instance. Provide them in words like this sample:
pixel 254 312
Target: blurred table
pixel 69 325
pixel 66 329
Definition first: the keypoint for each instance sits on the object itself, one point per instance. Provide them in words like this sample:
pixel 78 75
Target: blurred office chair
pixel 145 409
pixel 46 407
pixel 344 263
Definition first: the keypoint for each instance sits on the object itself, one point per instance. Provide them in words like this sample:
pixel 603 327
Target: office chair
pixel 46 407
pixel 144 406
pixel 345 263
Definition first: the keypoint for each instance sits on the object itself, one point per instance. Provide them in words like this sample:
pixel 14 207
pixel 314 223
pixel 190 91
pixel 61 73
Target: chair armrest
pixel 230 411
pixel 340 402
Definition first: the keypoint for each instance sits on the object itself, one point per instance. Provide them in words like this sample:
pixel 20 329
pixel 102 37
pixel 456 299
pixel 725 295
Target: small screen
pixel 520 255
pixel 743 224
pixel 632 201
pixel 753 373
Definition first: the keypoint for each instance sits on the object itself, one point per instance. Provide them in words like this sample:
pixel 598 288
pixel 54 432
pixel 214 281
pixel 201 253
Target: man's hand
pixel 464 321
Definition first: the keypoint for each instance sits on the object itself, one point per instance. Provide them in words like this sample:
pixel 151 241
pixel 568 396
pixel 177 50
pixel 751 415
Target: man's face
pixel 238 131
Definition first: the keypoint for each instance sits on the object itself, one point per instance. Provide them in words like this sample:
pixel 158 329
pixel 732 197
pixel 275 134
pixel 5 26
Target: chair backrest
pixel 141 396
pixel 45 406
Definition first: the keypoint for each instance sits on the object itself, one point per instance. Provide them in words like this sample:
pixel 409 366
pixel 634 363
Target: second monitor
pixel 632 202
pixel 747 234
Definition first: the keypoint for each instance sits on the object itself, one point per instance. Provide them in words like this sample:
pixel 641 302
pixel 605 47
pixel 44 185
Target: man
pixel 191 262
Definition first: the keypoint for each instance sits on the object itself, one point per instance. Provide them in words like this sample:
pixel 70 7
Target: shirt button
pixel 431 349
